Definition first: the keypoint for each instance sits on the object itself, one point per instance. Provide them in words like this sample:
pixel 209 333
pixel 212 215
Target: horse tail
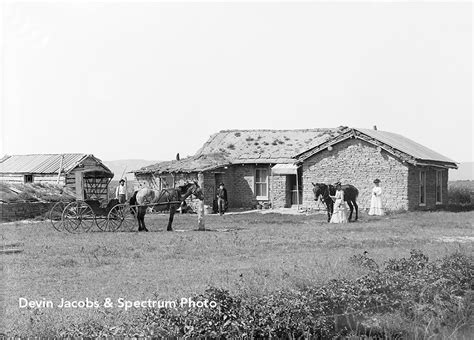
pixel 133 199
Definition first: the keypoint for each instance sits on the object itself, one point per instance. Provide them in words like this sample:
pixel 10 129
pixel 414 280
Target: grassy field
pixel 252 252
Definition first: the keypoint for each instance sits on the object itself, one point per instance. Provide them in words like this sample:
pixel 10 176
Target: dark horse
pixel 169 199
pixel 325 191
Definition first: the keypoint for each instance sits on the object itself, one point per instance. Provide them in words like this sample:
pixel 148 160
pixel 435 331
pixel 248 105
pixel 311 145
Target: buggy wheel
pixel 56 215
pixel 101 223
pixel 120 217
pixel 78 217
pixel 129 219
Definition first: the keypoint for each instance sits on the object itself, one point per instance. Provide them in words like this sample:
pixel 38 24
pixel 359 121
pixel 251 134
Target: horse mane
pixel 183 188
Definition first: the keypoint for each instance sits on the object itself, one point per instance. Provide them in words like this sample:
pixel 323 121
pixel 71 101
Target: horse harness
pixel 166 191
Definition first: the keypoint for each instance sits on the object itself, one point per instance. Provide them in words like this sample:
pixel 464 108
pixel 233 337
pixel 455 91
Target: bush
pixel 404 298
pixel 460 192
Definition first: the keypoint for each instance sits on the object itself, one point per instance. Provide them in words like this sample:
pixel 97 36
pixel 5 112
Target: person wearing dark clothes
pixel 221 198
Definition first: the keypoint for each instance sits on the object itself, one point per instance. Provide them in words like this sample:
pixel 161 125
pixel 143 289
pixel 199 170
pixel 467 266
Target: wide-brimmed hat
pixel 221 184
pixel 122 180
pixel 377 180
pixel 337 183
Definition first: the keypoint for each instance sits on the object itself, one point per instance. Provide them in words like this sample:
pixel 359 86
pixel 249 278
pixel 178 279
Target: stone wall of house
pixel 23 210
pixel 279 191
pixel 239 181
pixel 357 162
pixel 159 182
pixel 242 194
pixel 414 188
pixel 169 181
pixel 209 188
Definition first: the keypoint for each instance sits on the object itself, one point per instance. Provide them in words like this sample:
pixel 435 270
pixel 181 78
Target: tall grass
pixel 254 255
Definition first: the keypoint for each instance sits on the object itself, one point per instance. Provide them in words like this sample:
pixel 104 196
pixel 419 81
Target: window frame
pixel 261 198
pixel 439 182
pixel 28 176
pixel 422 185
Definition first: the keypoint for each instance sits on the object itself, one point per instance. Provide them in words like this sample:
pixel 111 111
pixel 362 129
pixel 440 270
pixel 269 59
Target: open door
pixel 294 185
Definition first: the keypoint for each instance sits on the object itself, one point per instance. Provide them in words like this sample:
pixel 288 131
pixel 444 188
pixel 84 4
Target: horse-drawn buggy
pixel 83 215
pixel 92 210
pixel 92 207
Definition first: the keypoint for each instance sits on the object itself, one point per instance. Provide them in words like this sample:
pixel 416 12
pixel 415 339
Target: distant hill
pixel 119 166
pixel 464 172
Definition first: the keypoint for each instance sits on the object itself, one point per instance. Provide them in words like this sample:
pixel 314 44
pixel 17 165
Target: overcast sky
pixel 148 80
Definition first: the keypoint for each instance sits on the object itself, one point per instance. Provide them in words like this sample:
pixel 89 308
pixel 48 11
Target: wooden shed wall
pixel 37 178
pixel 87 165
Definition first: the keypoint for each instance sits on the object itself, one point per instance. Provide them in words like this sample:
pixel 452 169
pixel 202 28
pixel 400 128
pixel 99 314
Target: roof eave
pixel 176 170
pixel 318 148
pixel 354 133
pixel 435 163
pixel 76 164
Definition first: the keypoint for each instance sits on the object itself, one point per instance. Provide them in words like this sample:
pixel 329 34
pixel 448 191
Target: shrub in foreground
pixel 408 297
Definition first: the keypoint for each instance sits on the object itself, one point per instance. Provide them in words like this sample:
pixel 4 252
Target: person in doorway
pixel 340 211
pixel 376 200
pixel 221 199
pixel 121 192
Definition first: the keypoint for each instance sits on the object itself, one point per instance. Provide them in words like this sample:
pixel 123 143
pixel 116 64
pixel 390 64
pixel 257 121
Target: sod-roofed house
pixel 277 167
pixel 83 173
pixel 242 160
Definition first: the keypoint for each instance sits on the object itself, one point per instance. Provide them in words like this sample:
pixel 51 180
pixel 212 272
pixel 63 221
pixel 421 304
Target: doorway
pixel 218 180
pixel 295 189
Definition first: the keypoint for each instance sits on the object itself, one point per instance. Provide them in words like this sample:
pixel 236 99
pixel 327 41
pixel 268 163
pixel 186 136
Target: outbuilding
pixel 83 173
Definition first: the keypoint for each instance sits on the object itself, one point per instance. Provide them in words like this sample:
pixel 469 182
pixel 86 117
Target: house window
pixel 261 184
pixel 28 178
pixel 439 186
pixel 422 187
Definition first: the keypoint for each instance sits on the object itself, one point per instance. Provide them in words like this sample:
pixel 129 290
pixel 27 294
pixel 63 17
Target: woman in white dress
pixel 340 210
pixel 376 200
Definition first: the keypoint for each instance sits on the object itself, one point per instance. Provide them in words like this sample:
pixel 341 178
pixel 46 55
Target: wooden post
pixel 201 225
pixel 297 192
pixel 126 190
pixel 107 189
pixel 79 186
pixel 60 168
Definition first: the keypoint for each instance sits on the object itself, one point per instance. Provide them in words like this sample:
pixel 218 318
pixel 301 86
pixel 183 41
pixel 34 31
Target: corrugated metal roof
pixel 406 145
pixel 41 164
